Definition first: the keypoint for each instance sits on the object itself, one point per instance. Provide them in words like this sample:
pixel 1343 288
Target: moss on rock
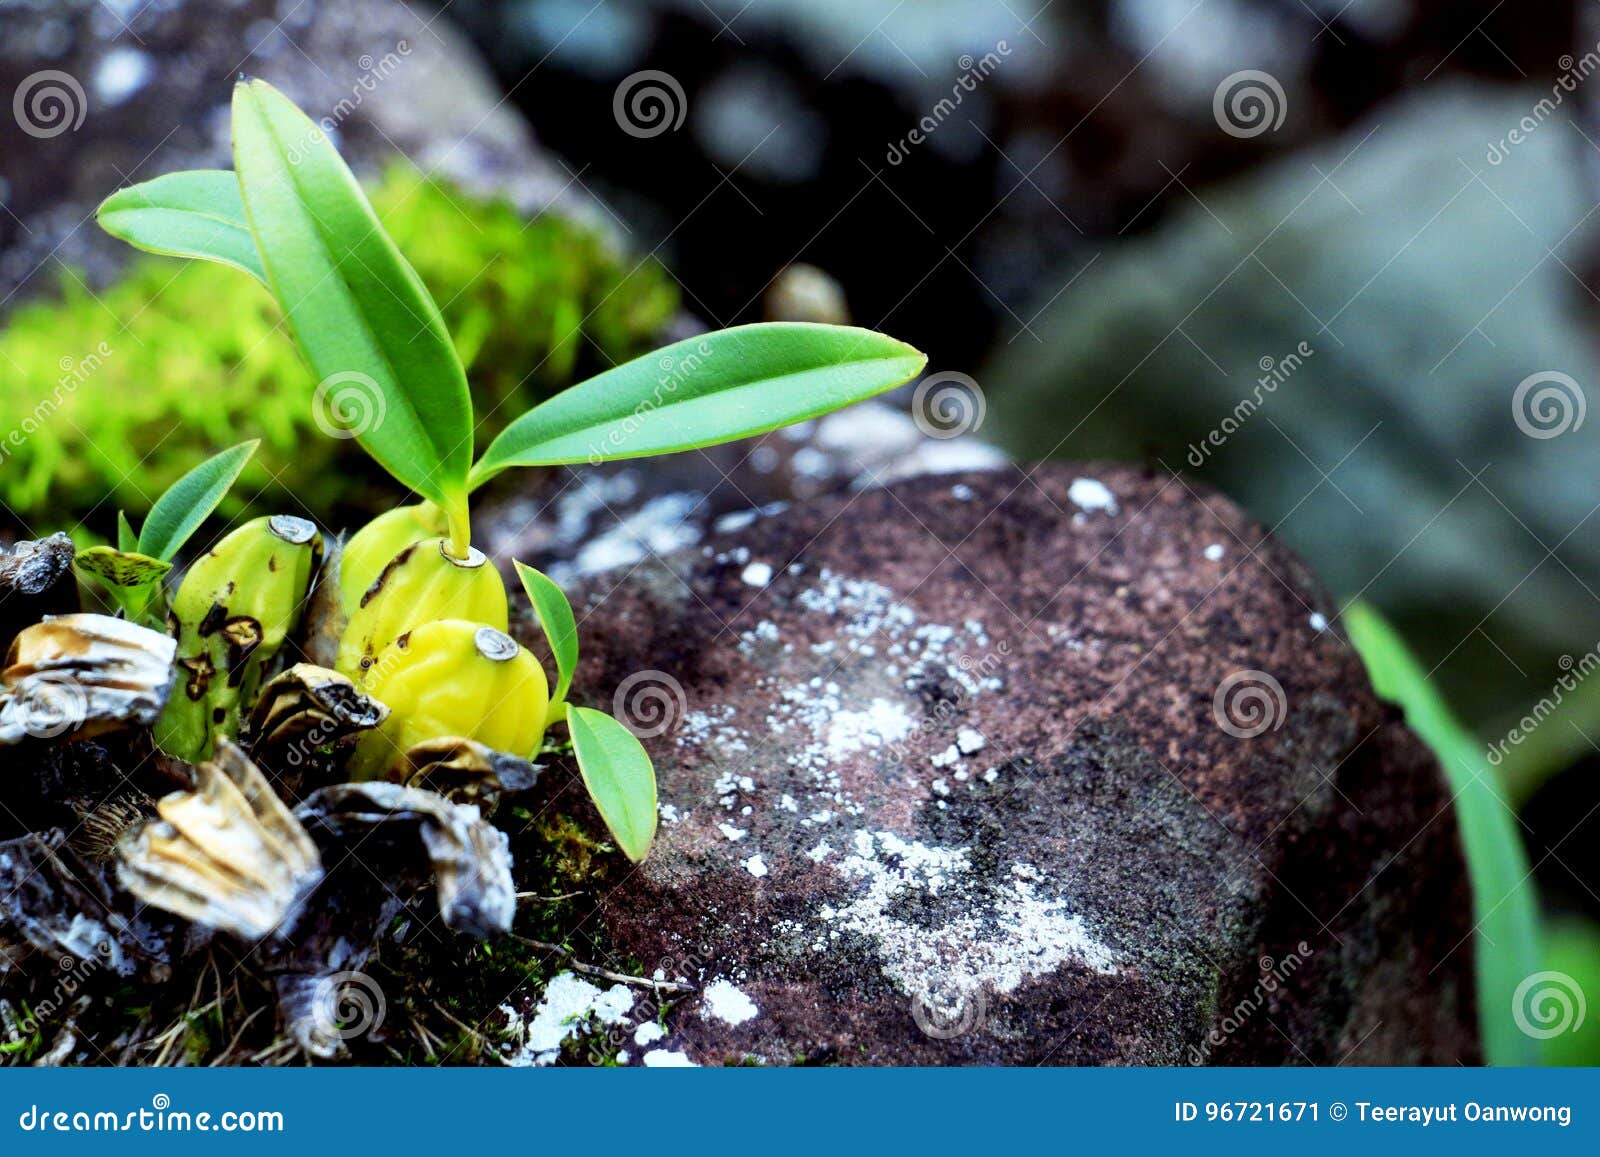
pixel 111 395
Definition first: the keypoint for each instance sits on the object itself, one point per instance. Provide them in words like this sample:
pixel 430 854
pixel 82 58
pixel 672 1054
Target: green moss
pixel 107 398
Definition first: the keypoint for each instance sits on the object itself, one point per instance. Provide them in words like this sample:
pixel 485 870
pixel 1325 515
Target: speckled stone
pixel 950 784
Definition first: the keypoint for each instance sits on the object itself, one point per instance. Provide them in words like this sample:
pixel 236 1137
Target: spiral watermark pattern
pixel 649 703
pixel 948 405
pixel 1547 1004
pixel 48 103
pixel 1249 703
pixel 45 705
pixel 348 404
pixel 649 103
pixel 1548 404
pixel 348 1005
pixel 942 1018
pixel 1248 103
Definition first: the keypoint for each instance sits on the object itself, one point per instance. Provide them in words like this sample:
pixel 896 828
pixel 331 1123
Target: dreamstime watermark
pixel 72 974
pixel 43 705
pixel 1548 404
pixel 1248 103
pixel 160 1117
pixel 948 1015
pixel 74 372
pixel 948 405
pixel 1249 703
pixel 48 103
pixel 1274 975
pixel 374 71
pixel 973 73
pixel 649 103
pixel 1573 73
pixel 346 1006
pixel 1274 373
pixel 1574 672
pixel 649 703
pixel 1547 1004
pixel 675 369
pixel 348 404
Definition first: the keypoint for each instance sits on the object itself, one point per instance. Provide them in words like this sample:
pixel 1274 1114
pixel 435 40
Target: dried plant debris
pixel 81 675
pixel 303 719
pixel 35 580
pixel 470 859
pixel 227 854
pixel 52 902
pixel 464 771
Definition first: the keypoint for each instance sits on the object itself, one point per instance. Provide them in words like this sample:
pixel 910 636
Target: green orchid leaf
pixel 703 390
pixel 190 500
pixel 619 777
pixel 127 537
pixel 117 568
pixel 193 214
pixel 373 335
pixel 557 621
pixel 1505 910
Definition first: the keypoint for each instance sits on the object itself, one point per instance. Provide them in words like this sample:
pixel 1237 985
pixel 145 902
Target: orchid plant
pixel 292 215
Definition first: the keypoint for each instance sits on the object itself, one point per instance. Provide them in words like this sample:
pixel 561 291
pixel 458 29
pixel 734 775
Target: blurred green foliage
pixel 108 398
pixel 1574 953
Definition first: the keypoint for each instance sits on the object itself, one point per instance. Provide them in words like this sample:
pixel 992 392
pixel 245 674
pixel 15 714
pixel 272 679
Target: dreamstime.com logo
pixel 1548 404
pixel 948 405
pixel 649 703
pixel 160 1117
pixel 1248 103
pixel 1547 1004
pixel 348 404
pixel 1249 703
pixel 649 103
pixel 48 103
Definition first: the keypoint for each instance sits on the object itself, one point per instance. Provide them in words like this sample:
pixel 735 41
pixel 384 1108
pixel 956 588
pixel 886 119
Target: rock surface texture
pixel 1064 767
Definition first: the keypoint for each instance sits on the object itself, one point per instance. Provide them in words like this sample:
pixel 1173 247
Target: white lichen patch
pixel 569 1006
pixel 1214 552
pixel 648 1033
pixel 723 1001
pixel 1319 622
pixel 756 866
pixel 882 722
pixel 668 1059
pixel 994 935
pixel 756 574
pixel 1090 495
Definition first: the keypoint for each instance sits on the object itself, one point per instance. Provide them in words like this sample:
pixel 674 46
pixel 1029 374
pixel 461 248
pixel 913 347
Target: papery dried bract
pixel 227 854
pixel 470 858
pixel 463 771
pixel 305 714
pixel 75 676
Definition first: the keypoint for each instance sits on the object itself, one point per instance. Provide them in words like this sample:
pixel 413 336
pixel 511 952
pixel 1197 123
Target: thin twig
pixel 605 973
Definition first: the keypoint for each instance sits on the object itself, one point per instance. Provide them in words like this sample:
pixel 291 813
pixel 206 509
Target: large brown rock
pixel 1063 766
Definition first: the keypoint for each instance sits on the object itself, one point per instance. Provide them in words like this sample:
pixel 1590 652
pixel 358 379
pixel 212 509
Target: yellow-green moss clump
pixel 106 399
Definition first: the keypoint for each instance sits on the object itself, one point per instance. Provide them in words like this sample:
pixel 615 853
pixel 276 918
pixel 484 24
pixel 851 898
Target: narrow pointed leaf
pixel 191 214
pixel 703 390
pixel 619 777
pixel 363 320
pixel 190 500
pixel 127 538
pixel 119 568
pixel 1505 910
pixel 556 620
